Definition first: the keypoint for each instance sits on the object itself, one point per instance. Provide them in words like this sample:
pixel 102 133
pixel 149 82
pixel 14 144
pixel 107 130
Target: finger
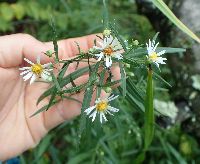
pixel 13 48
pixel 70 49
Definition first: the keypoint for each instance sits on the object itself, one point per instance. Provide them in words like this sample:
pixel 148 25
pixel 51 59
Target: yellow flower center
pixel 37 69
pixel 102 106
pixel 108 51
pixel 153 56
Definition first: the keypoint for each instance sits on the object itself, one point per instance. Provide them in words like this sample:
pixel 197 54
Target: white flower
pixel 153 56
pixel 35 70
pixel 110 47
pixel 101 107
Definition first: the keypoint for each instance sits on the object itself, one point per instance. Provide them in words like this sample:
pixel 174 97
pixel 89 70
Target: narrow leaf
pixel 168 13
pixel 123 77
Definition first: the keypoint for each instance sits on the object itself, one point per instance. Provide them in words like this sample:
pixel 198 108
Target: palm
pixel 18 100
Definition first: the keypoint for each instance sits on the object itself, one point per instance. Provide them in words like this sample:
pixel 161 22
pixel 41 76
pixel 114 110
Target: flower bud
pixel 135 42
pixel 108 90
pixel 49 53
pixel 106 32
pixel 127 65
pixel 131 74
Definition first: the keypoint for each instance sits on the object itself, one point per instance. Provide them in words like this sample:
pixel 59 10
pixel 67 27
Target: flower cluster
pixel 106 51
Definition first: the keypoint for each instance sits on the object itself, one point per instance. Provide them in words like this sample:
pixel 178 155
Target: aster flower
pixel 110 48
pixel 102 108
pixel 36 70
pixel 153 56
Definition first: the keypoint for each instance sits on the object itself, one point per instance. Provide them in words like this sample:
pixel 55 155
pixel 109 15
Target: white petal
pixel 46 65
pixel 155 46
pixel 118 56
pixel 93 115
pixel 25 72
pixel 112 97
pixel 150 46
pixel 100 56
pixel 24 68
pixel 98 100
pixel 112 109
pixel 88 110
pixel 116 44
pixel 104 117
pixel 101 44
pixel 28 76
pixel 101 117
pixel 38 59
pixel 34 77
pixel 28 61
pixel 157 64
pixel 161 52
pixel 108 61
pixel 44 76
pixel 107 41
pixel 46 72
pixel 107 111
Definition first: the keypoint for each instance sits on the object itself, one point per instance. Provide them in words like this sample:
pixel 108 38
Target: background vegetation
pixel 120 140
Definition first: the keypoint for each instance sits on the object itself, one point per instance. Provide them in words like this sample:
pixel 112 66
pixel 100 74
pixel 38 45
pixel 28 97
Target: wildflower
pixel 153 56
pixel 109 48
pixel 35 70
pixel 106 32
pixel 101 107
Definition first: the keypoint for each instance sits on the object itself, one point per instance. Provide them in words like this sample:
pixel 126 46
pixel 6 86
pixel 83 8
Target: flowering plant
pixel 109 50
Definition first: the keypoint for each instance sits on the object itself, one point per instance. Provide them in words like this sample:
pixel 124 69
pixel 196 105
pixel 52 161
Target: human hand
pixel 19 132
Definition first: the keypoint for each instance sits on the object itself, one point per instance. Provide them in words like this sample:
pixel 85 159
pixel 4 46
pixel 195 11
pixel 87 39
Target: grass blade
pixel 170 15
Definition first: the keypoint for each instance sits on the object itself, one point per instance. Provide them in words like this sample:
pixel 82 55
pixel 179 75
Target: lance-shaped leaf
pixel 168 13
pixel 64 81
pixel 169 50
pixel 149 112
pixel 123 77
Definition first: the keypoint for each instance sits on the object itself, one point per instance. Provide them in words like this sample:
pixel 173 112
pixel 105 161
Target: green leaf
pixel 43 145
pixel 74 89
pixel 123 77
pixel 101 80
pixel 63 70
pixel 176 154
pixel 105 15
pixel 66 80
pixel 156 36
pixel 161 79
pixel 149 112
pixel 84 123
pixel 55 82
pixel 80 158
pixel 44 108
pixel 170 15
pixel 169 50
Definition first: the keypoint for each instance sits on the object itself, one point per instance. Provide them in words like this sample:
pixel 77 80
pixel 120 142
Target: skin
pixel 19 132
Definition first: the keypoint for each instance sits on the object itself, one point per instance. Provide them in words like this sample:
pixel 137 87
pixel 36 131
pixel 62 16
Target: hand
pixel 19 132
